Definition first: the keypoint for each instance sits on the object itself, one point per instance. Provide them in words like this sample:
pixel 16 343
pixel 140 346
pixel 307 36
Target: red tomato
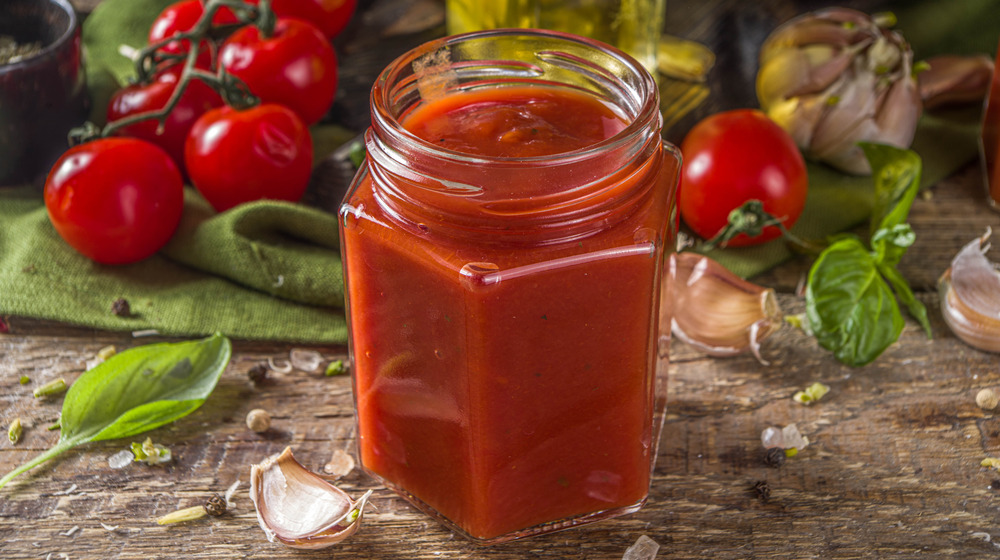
pixel 330 16
pixel 116 200
pixel 141 98
pixel 733 157
pixel 238 156
pixel 180 17
pixel 295 66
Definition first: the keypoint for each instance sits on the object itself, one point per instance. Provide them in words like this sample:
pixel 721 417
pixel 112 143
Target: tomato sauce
pixel 503 381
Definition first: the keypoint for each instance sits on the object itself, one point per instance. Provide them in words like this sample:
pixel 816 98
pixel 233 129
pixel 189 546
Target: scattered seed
pixel 775 457
pixel 987 399
pixel 763 490
pixel 335 367
pixel 258 374
pixel 216 505
pixel 182 515
pixel 14 432
pixel 258 420
pixel 53 387
pixel 121 308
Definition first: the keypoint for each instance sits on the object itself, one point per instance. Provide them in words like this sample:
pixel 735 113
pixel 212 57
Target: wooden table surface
pixel 893 469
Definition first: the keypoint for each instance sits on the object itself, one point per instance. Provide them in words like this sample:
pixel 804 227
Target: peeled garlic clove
pixel 970 296
pixel 718 312
pixel 298 508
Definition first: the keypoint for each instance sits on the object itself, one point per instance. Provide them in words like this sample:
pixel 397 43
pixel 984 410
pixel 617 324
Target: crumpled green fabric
pixel 266 270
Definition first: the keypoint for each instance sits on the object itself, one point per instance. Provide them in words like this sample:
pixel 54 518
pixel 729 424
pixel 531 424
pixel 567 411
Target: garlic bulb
pixel 835 77
pixel 718 312
pixel 298 508
pixel 970 296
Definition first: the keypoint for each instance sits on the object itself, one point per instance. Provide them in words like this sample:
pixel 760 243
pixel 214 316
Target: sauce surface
pixel 522 122
pixel 502 385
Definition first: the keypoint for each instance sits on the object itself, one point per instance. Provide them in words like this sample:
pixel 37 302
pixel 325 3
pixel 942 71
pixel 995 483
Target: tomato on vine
pixel 115 200
pixel 734 157
pixel 330 16
pixel 138 98
pixel 180 17
pixel 236 156
pixel 294 66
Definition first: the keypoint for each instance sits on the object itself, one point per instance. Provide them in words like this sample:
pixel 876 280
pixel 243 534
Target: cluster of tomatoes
pixel 119 199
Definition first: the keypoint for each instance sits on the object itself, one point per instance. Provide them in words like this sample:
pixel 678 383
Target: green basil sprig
pixel 852 290
pixel 135 391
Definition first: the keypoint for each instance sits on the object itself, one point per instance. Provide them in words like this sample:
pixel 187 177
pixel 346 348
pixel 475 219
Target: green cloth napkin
pixel 837 202
pixel 267 270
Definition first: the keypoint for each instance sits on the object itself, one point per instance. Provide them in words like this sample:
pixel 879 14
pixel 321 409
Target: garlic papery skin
pixel 299 508
pixel 836 77
pixel 955 80
pixel 970 296
pixel 718 312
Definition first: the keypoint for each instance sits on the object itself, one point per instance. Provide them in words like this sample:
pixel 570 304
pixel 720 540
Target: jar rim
pixel 391 124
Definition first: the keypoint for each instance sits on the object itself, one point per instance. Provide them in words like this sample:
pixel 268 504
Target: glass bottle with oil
pixel 633 26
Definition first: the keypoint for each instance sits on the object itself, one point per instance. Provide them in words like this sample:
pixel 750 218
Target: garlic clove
pixel 950 80
pixel 299 508
pixel 970 296
pixel 718 312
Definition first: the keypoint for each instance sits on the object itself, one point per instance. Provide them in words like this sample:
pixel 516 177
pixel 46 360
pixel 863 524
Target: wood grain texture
pixel 892 470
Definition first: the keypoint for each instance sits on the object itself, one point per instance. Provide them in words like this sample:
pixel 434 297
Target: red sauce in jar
pixel 503 380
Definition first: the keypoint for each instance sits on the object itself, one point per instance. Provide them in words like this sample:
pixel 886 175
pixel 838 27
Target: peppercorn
pixel 775 457
pixel 987 399
pixel 257 374
pixel 216 505
pixel 121 308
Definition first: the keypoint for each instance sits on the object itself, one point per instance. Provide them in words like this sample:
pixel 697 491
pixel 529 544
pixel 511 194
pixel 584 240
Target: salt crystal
pixel 772 437
pixel 644 548
pixel 121 459
pixel 305 360
pixel 794 439
pixel 340 464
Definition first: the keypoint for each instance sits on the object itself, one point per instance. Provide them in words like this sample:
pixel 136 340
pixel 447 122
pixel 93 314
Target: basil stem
pixel 136 391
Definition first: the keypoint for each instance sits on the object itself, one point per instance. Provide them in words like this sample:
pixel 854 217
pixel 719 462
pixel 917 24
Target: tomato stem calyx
pixel 751 219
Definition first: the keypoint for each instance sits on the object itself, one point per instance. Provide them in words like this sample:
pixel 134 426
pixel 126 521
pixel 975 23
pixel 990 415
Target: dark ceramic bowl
pixel 42 96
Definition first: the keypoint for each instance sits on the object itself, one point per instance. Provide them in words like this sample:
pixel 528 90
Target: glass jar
pixel 504 311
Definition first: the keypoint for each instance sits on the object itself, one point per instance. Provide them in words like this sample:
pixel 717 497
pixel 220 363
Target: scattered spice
pixel 335 367
pixel 121 308
pixel 990 463
pixel 987 399
pixel 150 453
pixel 216 505
pixel 258 420
pixel 11 51
pixel 54 427
pixel 340 464
pixel 14 432
pixel 775 457
pixel 182 515
pixel 258 374
pixel 229 493
pixel 995 485
pixel 305 360
pixel 25 380
pixel 51 388
pixel 70 532
pixel 811 394
pixel 763 490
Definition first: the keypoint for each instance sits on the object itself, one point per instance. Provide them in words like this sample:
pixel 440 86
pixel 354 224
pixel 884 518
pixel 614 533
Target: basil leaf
pixel 905 294
pixel 136 391
pixel 890 244
pixel 897 180
pixel 851 310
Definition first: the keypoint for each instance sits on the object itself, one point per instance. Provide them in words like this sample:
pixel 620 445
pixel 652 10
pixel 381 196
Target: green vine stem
pixel 232 90
pixel 751 219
